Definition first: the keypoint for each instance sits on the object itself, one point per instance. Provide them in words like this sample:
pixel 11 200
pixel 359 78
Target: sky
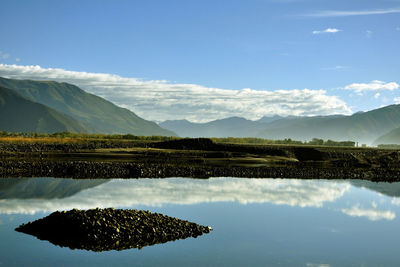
pixel 206 60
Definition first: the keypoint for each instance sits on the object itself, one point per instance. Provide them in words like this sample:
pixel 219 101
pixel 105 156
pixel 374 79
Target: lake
pixel 256 222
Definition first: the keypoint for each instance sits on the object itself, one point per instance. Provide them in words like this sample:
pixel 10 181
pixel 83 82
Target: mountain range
pixel 48 106
pixel 19 114
pixel 362 127
pixel 229 127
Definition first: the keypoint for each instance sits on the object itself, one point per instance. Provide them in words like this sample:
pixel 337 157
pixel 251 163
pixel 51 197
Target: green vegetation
pixel 95 113
pixel 86 136
pixel 288 141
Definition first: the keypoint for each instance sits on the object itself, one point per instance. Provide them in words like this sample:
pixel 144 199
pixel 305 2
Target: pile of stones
pixel 110 229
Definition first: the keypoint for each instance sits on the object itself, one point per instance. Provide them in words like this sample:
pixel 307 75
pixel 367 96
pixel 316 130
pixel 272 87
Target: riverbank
pixel 197 158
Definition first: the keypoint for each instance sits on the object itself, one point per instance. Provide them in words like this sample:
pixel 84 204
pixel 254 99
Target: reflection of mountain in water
pixel 388 189
pixel 44 188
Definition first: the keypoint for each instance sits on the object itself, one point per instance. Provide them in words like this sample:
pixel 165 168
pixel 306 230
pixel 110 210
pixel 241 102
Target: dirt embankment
pixel 197 158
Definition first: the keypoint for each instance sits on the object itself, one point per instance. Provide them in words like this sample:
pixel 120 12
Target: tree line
pixel 232 140
pixel 286 141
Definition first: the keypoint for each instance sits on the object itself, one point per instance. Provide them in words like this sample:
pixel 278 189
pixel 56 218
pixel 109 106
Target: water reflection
pixel 156 192
pixel 46 188
pixel 373 214
pixel 32 195
pixel 388 189
pixel 256 222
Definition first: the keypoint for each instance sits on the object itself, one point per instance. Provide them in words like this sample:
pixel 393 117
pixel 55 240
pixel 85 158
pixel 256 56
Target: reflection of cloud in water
pixel 372 214
pixel 395 201
pixel 158 192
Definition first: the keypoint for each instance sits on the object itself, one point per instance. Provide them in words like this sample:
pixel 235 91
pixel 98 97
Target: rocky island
pixel 110 229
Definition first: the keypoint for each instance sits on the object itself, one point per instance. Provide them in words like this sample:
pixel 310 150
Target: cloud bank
pixel 345 13
pixel 372 86
pixel 161 100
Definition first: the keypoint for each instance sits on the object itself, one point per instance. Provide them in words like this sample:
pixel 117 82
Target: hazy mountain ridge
pixel 229 127
pixel 268 119
pixel 392 137
pixel 19 114
pixel 362 127
pixel 97 114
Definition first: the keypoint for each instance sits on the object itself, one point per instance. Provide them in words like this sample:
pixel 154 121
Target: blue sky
pixel 264 45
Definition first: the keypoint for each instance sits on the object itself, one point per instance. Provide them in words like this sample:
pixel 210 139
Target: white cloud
pixel 368 33
pixel 328 30
pixel 159 192
pixel 310 264
pixel 372 86
pixel 344 13
pixel 17 59
pixel 284 1
pixel 160 100
pixel 377 95
pixel 371 214
pixel 396 100
pixel 338 67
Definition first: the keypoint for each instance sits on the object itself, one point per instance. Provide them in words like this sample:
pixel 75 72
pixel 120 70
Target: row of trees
pixel 87 136
pixel 232 140
pixel 287 141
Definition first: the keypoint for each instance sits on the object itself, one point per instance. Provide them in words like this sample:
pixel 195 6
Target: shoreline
pixel 197 158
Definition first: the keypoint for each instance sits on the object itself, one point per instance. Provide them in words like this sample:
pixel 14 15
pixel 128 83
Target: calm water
pixel 256 222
